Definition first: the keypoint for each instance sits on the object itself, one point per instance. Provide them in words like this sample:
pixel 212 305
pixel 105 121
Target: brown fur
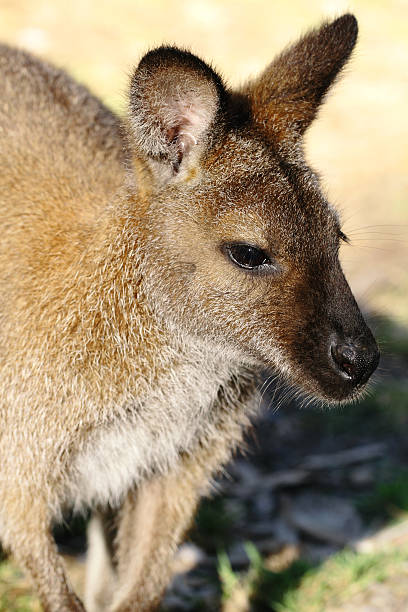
pixel 129 338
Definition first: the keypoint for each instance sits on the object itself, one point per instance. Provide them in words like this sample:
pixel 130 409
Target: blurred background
pixel 312 482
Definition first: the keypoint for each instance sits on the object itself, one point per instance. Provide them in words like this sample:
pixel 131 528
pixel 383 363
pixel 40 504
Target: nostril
pixel 348 368
pixel 344 357
pixel 354 362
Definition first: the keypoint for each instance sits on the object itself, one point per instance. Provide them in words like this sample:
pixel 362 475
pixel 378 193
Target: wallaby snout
pixel 148 268
pixel 351 347
pixel 333 350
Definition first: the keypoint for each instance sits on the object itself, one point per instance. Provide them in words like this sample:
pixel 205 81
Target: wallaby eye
pixel 247 256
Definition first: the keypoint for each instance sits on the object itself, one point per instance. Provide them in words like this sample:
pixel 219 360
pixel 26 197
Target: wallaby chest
pixel 150 435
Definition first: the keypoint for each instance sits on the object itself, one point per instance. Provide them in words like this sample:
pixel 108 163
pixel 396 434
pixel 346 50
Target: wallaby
pixel 148 269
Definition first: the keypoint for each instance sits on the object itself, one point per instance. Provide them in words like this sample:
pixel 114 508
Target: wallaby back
pixel 147 271
pixel 61 159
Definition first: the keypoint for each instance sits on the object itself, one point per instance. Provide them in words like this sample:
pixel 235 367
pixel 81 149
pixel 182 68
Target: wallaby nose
pixel 354 361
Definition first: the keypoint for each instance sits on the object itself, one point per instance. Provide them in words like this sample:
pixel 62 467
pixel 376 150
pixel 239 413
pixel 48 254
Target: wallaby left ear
pixel 286 97
pixel 175 99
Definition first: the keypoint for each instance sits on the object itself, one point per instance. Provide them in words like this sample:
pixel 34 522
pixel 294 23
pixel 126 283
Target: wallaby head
pixel 244 245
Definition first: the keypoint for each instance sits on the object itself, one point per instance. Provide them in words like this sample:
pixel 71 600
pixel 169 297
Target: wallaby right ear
pixel 286 96
pixel 175 99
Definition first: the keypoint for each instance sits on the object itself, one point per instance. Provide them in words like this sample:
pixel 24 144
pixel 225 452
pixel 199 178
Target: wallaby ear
pixel 286 97
pixel 175 99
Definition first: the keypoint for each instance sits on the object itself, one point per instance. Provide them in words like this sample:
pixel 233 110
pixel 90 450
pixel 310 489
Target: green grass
pixel 228 578
pixel 340 578
pixel 14 592
pixel 301 588
pixel 258 585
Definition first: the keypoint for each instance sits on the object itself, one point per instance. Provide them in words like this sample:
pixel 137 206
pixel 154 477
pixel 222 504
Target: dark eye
pixel 247 256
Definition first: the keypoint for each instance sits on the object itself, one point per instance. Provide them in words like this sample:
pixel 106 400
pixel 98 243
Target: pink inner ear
pixel 174 100
pixel 187 141
pixel 187 122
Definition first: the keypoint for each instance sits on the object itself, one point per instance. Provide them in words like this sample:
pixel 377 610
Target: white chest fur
pixel 150 438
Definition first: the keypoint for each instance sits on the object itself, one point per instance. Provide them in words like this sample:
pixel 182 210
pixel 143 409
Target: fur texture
pixel 130 336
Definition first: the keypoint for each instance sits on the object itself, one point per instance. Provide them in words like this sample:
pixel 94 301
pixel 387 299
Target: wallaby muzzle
pixel 352 350
pixel 329 351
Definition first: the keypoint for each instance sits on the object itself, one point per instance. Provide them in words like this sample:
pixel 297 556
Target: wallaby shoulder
pixel 62 161
pixel 61 150
pixel 45 98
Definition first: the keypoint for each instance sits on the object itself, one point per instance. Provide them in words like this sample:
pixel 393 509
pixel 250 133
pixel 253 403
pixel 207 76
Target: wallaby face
pixel 147 271
pixel 260 274
pixel 249 244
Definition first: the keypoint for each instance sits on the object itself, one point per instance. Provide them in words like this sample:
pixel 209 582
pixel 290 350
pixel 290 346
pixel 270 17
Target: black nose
pixel 355 361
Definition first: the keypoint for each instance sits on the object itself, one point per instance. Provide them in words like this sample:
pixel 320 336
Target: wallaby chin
pixel 325 389
pixel 142 263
